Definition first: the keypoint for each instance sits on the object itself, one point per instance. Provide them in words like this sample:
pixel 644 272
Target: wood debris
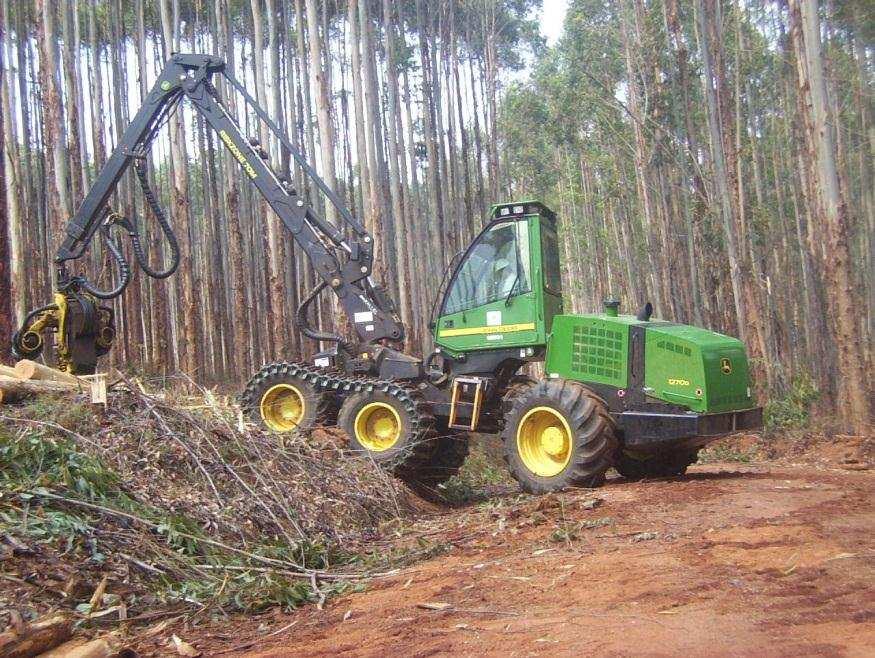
pixel 35 638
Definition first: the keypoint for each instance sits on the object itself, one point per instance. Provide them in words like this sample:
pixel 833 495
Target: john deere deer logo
pixel 726 366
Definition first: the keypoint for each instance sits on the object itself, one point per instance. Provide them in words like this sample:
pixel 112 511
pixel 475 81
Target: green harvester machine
pixel 623 391
pixel 640 394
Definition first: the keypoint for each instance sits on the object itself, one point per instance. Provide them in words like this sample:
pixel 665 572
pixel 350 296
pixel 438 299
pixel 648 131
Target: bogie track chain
pixel 335 381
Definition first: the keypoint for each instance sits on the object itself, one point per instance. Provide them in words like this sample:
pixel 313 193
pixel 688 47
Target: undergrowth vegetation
pixel 482 472
pixel 793 410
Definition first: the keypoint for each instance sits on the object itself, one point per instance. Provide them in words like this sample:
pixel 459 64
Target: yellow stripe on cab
pixel 498 329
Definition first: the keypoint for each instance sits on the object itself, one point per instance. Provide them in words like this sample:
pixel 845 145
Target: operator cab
pixel 507 286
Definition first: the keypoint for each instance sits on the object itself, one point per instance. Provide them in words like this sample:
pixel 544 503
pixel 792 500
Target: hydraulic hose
pixel 140 170
pixel 303 325
pixel 123 268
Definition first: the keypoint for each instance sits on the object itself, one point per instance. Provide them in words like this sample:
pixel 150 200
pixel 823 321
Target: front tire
pixel 557 434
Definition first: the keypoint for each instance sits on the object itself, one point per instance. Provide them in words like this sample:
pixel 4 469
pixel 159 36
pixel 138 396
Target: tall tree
pixel 831 206
pixel 5 269
pixel 59 206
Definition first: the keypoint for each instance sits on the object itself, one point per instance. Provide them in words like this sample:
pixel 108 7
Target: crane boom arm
pixel 343 264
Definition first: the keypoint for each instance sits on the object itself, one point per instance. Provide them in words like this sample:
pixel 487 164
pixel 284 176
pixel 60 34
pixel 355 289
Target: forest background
pixel 713 157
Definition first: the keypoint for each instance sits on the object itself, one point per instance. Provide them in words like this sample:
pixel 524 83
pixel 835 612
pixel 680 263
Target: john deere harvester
pixel 639 394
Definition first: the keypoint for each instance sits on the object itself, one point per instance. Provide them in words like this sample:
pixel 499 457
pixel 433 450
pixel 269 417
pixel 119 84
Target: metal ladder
pixel 474 401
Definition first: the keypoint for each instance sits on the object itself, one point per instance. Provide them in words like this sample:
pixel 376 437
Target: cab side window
pixel 550 259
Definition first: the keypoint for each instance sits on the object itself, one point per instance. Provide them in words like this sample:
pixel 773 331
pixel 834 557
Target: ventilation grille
pixel 673 347
pixel 597 352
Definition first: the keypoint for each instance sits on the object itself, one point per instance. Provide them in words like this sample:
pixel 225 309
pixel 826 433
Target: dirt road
pixel 734 559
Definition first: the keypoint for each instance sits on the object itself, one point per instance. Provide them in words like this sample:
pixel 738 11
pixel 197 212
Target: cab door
pixel 494 298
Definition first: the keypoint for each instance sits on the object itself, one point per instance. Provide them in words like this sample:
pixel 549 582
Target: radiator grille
pixel 597 351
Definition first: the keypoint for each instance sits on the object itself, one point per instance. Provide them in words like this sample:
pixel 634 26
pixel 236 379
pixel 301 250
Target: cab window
pixel 496 267
pixel 550 259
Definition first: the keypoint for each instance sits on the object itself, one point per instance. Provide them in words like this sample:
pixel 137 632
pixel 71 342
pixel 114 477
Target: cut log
pixel 31 370
pixel 6 371
pixel 12 390
pixel 36 638
pixel 99 648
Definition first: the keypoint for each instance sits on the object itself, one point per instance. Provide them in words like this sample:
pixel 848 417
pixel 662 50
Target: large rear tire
pixel 283 397
pixel 668 464
pixel 557 434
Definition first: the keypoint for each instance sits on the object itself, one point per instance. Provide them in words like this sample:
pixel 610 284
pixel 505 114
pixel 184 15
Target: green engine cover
pixel 699 369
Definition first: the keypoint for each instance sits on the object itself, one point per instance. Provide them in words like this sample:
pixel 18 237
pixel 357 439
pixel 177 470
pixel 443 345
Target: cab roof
pixel 520 209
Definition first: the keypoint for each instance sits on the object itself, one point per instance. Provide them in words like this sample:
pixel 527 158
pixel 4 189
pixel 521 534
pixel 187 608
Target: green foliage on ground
pixel 480 471
pixel 723 452
pixel 793 410
pixel 33 465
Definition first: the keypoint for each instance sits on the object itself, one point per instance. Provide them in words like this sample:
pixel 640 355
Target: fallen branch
pixel 99 648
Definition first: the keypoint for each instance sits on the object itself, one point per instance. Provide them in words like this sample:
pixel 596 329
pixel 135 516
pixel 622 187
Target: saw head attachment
pixel 83 330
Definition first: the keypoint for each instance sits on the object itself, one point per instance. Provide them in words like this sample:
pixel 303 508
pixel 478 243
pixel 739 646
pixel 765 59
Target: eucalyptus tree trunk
pixel 59 205
pixel 401 228
pixel 12 275
pixel 275 261
pixel 489 37
pixel 72 102
pixel 187 347
pixel 682 89
pixel 320 92
pixel 379 222
pixel 363 188
pixel 5 228
pixel 435 227
pixel 242 358
pixel 854 402
pixel 718 158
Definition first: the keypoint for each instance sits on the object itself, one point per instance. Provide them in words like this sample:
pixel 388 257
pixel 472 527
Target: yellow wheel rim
pixel 543 441
pixel 282 407
pixel 377 426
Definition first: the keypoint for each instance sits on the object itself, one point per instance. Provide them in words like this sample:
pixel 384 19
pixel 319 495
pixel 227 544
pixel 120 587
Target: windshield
pixel 496 267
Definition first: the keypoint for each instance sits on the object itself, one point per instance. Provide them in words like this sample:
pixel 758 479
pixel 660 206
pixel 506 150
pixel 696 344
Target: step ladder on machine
pixel 467 395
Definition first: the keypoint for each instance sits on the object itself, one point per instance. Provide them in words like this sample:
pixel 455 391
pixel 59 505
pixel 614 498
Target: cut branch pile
pixel 179 508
